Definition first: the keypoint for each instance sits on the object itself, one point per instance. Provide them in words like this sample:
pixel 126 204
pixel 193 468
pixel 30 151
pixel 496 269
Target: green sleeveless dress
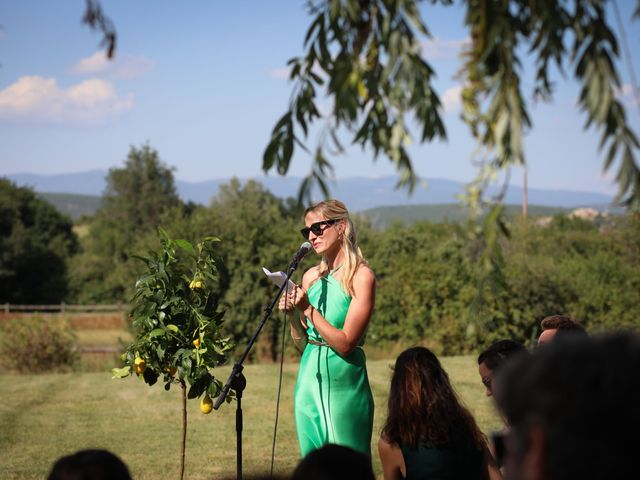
pixel 332 398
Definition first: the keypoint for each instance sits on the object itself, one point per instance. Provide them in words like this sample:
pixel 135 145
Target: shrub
pixel 35 345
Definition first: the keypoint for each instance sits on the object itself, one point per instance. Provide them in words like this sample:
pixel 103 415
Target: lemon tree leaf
pixel 121 372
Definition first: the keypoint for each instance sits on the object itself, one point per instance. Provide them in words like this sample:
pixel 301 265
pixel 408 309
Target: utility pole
pixel 524 196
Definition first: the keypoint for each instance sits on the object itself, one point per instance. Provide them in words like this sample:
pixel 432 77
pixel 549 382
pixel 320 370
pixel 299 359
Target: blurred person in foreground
pixel 556 326
pixel 573 409
pixel 493 358
pixel 334 462
pixel 428 434
pixel 89 465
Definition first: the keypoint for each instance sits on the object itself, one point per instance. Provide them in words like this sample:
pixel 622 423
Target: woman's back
pixel 458 459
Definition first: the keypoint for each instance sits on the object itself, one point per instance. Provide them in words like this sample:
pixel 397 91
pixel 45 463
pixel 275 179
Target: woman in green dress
pixel 329 315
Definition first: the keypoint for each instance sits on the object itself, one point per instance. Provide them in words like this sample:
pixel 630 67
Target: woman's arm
pixel 296 321
pixel 391 459
pixel 493 471
pixel 298 331
pixel 360 310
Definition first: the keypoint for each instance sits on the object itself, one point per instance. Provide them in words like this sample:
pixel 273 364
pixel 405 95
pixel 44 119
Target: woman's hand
pixel 296 299
pixel 285 304
pixel 289 302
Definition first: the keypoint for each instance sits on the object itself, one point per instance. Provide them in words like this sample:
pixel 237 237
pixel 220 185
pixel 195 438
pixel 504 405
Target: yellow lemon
pixel 139 365
pixel 206 404
pixel 195 284
pixel 196 342
pixel 171 371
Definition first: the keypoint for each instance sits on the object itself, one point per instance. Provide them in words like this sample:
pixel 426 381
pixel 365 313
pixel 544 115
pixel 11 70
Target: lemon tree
pixel 178 324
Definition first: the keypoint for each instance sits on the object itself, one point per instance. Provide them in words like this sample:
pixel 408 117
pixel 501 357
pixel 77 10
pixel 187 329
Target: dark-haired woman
pixel 428 434
pixel 332 399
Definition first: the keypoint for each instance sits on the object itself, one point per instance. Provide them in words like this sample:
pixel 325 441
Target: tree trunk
pixel 183 445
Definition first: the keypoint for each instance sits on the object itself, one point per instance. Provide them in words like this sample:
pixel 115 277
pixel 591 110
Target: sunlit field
pixel 45 416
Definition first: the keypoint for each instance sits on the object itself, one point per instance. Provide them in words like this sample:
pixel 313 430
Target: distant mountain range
pixel 359 193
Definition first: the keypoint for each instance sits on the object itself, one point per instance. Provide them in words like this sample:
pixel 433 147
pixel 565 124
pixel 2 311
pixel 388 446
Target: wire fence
pixel 63 308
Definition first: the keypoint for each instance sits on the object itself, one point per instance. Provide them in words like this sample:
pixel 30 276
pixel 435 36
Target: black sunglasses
pixel 317 228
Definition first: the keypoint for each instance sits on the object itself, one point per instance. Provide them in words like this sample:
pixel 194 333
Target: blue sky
pixel 204 82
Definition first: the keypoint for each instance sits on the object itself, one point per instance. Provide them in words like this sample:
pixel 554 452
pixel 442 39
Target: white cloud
pixel 280 73
pixel 437 48
pixel 96 63
pixel 123 67
pixel 42 100
pixel 3 32
pixel 626 89
pixel 452 99
pixel 626 95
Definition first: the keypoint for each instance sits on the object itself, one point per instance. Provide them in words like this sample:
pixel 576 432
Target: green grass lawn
pixel 45 416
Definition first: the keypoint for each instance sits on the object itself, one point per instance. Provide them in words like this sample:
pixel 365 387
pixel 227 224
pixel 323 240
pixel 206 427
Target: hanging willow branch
pixel 364 56
pixel 95 18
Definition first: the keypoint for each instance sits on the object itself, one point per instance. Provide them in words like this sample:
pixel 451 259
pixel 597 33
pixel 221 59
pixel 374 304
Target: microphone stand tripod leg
pixel 239 383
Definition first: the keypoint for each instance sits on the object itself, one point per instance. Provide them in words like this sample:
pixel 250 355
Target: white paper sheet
pixel 278 278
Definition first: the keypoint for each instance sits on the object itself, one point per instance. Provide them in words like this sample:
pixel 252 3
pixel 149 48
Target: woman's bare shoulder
pixel 385 444
pixel 365 275
pixel 388 450
pixel 310 276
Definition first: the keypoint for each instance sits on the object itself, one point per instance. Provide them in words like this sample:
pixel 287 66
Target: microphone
pixel 299 255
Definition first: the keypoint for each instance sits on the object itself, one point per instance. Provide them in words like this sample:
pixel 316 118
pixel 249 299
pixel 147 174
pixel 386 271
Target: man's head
pixel 90 465
pixel 559 325
pixel 573 410
pixel 494 357
pixel 334 462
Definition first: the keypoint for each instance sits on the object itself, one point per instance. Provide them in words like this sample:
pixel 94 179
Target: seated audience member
pixel 90 465
pixel 428 433
pixel 574 410
pixel 334 462
pixel 559 326
pixel 494 357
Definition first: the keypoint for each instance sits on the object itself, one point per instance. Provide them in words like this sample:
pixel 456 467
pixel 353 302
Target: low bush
pixel 36 345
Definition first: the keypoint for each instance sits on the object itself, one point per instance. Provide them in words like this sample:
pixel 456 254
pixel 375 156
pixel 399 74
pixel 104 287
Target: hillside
pixel 76 206
pixel 382 217
pixel 73 205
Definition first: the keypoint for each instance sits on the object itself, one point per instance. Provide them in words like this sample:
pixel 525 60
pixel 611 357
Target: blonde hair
pixel 336 210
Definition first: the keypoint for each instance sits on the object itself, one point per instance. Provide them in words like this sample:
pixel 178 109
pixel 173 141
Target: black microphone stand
pixel 237 380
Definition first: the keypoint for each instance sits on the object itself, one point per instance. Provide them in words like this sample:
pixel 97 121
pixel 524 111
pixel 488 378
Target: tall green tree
pixel 140 193
pixel 139 197
pixel 257 230
pixel 35 244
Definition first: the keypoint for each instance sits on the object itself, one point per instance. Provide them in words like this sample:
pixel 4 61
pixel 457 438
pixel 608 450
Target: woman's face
pixel 486 375
pixel 326 236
